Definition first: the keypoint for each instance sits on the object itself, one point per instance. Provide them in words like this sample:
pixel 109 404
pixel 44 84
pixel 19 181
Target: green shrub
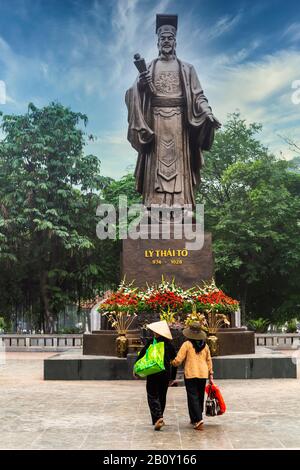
pixel 291 326
pixel 70 331
pixel 259 325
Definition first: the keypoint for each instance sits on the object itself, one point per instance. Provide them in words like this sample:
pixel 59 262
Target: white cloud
pixel 292 32
pixel 262 91
pixel 114 151
pixel 133 30
pixel 222 26
pixel 111 137
pixel 2 92
pixel 237 57
pixel 14 68
pixel 253 84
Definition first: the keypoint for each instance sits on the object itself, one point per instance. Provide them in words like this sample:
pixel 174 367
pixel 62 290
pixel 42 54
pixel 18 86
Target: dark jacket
pixel 170 354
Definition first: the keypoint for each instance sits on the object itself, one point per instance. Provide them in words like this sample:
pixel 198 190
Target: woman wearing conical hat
pixel 157 384
pixel 197 369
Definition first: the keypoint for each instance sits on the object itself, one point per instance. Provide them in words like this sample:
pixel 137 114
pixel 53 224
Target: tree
pixel 124 186
pixel 49 191
pixel 252 208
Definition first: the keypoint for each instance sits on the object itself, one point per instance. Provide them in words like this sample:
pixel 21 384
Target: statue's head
pixel 166 28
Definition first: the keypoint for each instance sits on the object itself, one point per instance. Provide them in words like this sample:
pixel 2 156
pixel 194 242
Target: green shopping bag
pixel 153 361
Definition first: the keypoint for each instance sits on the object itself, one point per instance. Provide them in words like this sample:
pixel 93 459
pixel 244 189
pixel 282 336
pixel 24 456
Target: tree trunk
pixel 47 314
pixel 243 305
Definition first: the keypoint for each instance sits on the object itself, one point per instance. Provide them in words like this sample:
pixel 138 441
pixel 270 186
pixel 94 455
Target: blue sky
pixel 79 52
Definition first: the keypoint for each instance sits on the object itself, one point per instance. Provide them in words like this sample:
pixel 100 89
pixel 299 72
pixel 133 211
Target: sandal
pixel 159 424
pixel 199 424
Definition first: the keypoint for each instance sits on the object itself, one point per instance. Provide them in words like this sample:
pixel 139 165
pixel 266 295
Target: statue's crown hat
pixel 166 23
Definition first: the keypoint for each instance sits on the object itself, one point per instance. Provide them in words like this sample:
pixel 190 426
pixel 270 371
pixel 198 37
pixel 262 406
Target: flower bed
pixel 172 303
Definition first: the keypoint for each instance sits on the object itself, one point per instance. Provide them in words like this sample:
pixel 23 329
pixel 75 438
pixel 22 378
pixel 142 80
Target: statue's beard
pixel 167 51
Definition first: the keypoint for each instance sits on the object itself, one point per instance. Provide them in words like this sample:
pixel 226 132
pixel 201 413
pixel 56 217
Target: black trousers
pixel 157 387
pixel 195 390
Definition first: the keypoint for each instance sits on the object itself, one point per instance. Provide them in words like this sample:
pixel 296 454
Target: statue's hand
pixel 145 78
pixel 215 122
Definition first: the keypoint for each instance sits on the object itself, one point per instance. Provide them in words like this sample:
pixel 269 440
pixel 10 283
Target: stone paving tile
pixel 290 442
pixel 38 414
pixel 97 445
pixel 256 440
pixel 205 440
pixel 59 439
pixel 18 440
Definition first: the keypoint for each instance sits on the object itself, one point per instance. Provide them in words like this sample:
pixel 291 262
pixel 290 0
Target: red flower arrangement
pixel 120 301
pixel 168 296
pixel 216 297
pixel 161 300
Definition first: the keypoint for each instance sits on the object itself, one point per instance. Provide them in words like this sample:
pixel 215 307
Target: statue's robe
pixel 169 132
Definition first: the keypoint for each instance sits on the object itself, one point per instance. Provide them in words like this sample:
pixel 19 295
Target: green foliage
pixel 5 325
pixel 70 331
pixel 122 193
pixel 260 325
pixel 49 191
pixel 2 324
pixel 125 186
pixel 168 315
pixel 252 208
pixel 291 326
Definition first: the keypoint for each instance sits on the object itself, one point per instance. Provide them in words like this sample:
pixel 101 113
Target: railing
pixel 27 342
pixel 278 340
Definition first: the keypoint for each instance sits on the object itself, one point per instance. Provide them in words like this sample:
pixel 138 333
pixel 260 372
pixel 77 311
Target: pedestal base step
pixel 265 364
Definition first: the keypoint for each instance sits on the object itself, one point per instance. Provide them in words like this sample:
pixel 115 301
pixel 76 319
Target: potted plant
pixel 259 325
pixel 121 320
pixel 291 326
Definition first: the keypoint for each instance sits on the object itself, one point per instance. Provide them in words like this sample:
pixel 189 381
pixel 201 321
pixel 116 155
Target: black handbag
pixel 212 407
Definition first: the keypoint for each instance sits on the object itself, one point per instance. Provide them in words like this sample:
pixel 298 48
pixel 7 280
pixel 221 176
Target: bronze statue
pixel 170 123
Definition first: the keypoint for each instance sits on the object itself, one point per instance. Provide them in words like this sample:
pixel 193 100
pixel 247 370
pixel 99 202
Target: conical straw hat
pixel 161 328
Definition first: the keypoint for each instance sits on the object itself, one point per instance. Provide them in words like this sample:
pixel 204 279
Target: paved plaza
pixel 38 414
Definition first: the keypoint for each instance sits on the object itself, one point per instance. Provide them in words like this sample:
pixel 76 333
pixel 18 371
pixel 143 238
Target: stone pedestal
pixel 103 342
pixel 146 261
pixel 235 341
pixel 100 343
pixel 232 341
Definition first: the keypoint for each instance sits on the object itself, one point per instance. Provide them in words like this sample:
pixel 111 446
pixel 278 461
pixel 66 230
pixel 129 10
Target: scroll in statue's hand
pixel 145 78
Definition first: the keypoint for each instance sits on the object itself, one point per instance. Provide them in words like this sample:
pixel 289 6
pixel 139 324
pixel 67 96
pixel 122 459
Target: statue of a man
pixel 170 123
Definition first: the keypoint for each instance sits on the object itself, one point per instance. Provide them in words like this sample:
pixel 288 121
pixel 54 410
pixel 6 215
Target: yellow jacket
pixel 196 365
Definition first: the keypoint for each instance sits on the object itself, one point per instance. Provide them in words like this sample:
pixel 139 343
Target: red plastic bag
pixel 214 392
